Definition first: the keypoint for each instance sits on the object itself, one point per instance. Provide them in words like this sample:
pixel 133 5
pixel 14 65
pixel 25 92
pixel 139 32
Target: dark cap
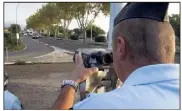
pixel 150 10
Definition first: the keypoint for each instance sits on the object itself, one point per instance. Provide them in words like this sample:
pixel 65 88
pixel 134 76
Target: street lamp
pixel 17 34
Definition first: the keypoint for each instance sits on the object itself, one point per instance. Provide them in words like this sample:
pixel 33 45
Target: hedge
pixel 100 39
pixel 74 37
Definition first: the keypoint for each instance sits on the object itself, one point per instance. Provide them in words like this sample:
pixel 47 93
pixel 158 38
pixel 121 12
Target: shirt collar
pixel 153 73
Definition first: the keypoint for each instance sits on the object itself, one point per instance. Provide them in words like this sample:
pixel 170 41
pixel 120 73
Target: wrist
pixel 70 83
pixel 69 87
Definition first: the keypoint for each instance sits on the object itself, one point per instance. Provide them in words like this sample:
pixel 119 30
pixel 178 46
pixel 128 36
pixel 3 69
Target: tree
pixel 95 31
pixel 65 15
pixel 60 29
pixel 14 28
pixel 175 22
pixel 77 31
pixel 84 10
pixel 35 21
pixel 49 14
pixel 45 18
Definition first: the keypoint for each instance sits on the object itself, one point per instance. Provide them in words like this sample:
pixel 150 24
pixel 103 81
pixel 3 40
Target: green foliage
pixel 100 39
pixel 51 34
pixel 14 28
pixel 10 42
pixel 45 34
pixel 77 31
pixel 105 8
pixel 175 22
pixel 74 37
pixel 83 10
pixel 60 35
pixel 95 31
pixel 6 34
pixel 60 29
pixel 52 15
pixel 20 62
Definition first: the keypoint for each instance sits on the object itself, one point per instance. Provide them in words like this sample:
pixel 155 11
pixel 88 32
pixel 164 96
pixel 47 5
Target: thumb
pixel 94 69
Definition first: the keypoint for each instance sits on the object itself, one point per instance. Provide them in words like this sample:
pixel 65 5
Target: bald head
pixel 146 40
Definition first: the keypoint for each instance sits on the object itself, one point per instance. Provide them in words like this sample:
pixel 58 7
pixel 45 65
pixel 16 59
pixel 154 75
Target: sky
pixel 24 10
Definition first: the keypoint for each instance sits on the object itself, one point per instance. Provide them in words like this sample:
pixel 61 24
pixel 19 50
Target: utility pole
pixel 17 33
pixel 115 8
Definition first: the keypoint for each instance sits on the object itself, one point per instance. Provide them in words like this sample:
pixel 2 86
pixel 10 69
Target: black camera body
pixel 93 57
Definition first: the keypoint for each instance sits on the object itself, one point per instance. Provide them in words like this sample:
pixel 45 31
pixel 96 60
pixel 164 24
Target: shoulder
pixel 115 99
pixel 11 101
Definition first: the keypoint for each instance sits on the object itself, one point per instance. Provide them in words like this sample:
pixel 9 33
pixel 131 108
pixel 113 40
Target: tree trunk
pixel 49 33
pixel 64 33
pixel 55 34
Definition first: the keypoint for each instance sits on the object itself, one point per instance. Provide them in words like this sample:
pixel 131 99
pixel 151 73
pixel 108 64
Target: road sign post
pixel 17 38
pixel 6 54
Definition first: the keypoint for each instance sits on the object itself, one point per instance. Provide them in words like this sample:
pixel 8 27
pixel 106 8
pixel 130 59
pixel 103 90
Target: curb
pixel 29 63
pixel 96 43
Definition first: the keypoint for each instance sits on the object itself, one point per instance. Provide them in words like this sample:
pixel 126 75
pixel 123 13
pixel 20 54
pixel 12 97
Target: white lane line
pixel 35 40
pixel 46 54
pixel 46 44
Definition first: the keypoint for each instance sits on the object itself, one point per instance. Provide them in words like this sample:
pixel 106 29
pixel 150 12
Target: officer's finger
pixel 93 70
pixel 79 60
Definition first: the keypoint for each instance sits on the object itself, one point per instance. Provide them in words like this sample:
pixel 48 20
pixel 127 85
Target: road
pixel 37 86
pixel 73 45
pixel 33 49
pixel 69 45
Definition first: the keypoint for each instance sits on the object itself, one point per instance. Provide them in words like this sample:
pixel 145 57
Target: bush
pixel 45 34
pixel 6 34
pixel 20 62
pixel 60 35
pixel 51 35
pixel 11 43
pixel 100 39
pixel 74 37
pixel 96 31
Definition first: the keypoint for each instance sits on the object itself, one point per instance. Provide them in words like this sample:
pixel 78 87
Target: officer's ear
pixel 120 46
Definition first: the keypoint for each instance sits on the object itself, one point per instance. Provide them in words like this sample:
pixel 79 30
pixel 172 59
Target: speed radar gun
pixel 105 79
pixel 102 81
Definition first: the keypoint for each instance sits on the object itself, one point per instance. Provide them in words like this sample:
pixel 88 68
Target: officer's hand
pixel 81 73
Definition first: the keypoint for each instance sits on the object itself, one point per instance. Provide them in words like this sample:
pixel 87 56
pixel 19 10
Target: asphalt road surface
pixel 74 45
pixel 33 49
pixel 37 86
pixel 69 45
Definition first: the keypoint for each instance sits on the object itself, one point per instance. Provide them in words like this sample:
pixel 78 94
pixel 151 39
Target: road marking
pixel 40 42
pixel 35 40
pixel 46 44
pixel 47 53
